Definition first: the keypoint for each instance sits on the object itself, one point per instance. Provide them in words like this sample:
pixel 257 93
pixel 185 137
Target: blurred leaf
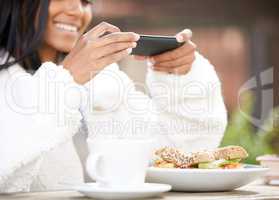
pixel 271 136
pixel 241 132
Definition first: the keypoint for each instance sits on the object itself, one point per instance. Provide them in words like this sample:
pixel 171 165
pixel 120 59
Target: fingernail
pixel 151 60
pixel 189 33
pixel 179 38
pixel 134 44
pixel 129 51
pixel 137 37
pixel 149 64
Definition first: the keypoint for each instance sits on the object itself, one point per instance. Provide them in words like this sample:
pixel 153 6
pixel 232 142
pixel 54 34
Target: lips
pixel 67 27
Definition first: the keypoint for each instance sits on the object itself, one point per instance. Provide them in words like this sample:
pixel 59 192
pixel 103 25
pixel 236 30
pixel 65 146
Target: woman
pixel 53 77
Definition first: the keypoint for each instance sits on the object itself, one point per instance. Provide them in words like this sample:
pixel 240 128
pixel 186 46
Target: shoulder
pixel 13 68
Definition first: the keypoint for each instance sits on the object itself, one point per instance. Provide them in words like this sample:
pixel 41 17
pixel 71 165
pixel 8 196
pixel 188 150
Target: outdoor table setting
pixel 171 175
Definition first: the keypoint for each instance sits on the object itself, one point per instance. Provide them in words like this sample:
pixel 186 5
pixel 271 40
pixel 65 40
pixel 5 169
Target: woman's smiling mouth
pixel 67 27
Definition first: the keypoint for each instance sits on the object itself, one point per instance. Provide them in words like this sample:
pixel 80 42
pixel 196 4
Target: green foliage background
pixel 241 132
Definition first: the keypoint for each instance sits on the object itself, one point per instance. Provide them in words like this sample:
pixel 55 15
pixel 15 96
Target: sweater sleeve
pixel 38 112
pixel 190 107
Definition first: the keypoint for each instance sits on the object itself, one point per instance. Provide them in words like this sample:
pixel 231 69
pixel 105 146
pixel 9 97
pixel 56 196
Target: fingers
pixel 112 43
pixel 184 36
pixel 93 34
pixel 187 48
pixel 184 60
pixel 113 48
pixel 178 70
pixel 141 58
pixel 182 70
pixel 113 57
pixel 114 38
pixel 88 71
pixel 178 61
pixel 100 29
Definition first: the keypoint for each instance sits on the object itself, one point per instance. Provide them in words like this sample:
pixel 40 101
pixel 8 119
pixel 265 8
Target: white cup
pixel 118 162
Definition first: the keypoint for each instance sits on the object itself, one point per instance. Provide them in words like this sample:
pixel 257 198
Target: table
pixel 253 191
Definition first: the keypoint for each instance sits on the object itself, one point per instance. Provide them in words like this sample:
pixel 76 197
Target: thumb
pixel 184 36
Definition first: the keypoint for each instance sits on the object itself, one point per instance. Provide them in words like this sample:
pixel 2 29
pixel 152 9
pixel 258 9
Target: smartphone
pixel 150 45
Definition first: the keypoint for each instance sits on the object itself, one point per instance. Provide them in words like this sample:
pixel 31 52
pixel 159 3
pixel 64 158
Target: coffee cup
pixel 118 162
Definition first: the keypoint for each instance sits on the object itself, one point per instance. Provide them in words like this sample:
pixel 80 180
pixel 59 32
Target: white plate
pixel 205 180
pixel 93 190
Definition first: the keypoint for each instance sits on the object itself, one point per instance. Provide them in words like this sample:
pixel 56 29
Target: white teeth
pixel 66 27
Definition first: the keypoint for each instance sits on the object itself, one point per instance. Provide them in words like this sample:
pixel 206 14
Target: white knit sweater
pixel 40 113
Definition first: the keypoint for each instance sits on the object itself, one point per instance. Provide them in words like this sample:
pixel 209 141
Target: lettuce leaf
pixel 216 164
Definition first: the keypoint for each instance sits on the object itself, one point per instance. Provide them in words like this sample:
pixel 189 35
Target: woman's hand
pixel 93 52
pixel 178 61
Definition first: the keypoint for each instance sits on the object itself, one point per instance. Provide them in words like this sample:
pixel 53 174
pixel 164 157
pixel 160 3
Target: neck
pixel 48 54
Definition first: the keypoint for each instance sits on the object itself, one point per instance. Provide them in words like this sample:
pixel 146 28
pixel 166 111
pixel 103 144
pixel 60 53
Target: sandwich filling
pixel 221 164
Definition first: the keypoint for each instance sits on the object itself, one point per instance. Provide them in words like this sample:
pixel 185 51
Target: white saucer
pixel 205 180
pixel 93 190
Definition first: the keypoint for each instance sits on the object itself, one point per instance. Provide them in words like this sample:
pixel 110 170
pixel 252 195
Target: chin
pixel 64 44
pixel 66 48
pixel 62 40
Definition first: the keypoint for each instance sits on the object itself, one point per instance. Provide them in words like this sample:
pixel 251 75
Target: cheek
pixel 53 37
pixel 87 18
pixel 58 41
